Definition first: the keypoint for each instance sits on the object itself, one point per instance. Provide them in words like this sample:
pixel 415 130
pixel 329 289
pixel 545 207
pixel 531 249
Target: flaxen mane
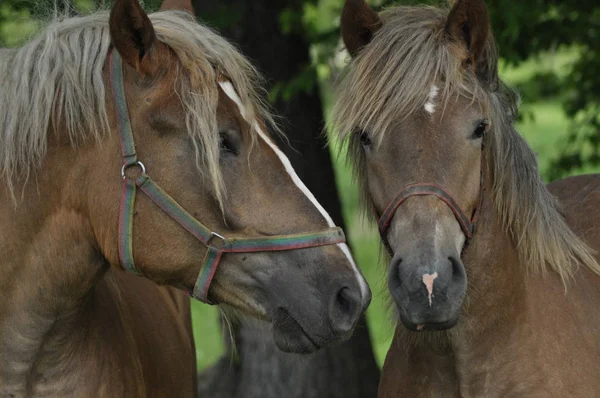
pixel 391 78
pixel 58 77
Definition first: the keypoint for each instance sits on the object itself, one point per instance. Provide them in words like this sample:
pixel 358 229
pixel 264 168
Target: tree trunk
pixel 258 369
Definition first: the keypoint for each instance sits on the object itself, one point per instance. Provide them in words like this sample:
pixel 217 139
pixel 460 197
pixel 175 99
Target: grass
pixel 364 240
pixel 207 334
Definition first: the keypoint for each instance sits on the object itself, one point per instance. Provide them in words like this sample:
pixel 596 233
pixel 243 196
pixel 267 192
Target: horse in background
pixel 495 276
pixel 138 143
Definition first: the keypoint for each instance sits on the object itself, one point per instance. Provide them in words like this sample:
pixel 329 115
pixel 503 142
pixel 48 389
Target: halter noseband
pixel 467 224
pixel 216 244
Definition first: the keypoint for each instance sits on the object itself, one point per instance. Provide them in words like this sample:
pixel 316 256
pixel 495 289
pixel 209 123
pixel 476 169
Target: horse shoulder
pixel 159 320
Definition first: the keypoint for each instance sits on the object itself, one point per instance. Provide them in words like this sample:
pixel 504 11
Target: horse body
pixel 69 324
pixel 495 276
pixel 520 334
pixel 89 110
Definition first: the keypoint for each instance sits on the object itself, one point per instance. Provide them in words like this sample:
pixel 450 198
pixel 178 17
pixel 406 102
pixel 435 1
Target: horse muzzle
pixel 428 291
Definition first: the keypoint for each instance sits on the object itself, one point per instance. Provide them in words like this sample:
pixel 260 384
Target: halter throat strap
pixel 216 244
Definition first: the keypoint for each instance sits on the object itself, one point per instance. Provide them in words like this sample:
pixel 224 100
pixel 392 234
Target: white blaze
pixel 428 282
pixel 433 93
pixel 227 87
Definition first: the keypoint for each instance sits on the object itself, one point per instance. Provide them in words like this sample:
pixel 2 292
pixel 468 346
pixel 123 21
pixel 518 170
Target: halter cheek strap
pixel 216 244
pixel 467 224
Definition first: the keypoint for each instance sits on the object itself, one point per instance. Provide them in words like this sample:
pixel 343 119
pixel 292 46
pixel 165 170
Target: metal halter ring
pixel 126 166
pixel 216 236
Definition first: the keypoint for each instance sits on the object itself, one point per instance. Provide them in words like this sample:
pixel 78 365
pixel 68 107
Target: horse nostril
pixel 458 270
pixel 394 278
pixel 345 310
pixel 343 300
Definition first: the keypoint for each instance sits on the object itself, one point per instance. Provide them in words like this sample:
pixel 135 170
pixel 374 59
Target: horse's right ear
pixel 359 23
pixel 469 23
pixel 132 34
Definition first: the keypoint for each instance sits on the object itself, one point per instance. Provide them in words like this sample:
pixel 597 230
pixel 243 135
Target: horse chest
pixel 433 369
pixel 442 381
pixel 103 350
pixel 38 359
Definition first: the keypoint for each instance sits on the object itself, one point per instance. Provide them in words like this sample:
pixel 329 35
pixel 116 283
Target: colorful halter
pixel 467 225
pixel 216 244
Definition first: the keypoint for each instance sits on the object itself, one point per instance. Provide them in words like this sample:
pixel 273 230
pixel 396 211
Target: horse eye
pixel 481 130
pixel 365 139
pixel 227 145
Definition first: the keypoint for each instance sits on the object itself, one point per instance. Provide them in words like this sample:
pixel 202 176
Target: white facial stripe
pixel 227 87
pixel 430 105
pixel 230 91
pixel 361 280
pixel 428 282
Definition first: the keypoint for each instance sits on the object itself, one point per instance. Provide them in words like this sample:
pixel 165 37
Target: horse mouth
pixel 290 336
pixel 431 326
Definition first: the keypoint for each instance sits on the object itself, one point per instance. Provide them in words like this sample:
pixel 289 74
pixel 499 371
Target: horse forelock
pixel 58 77
pixel 393 78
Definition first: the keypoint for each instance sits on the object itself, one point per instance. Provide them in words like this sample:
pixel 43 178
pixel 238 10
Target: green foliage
pixel 223 16
pixel 290 21
pixel 581 151
pixel 543 85
pixel 524 29
pixel 19 19
pixel 15 25
pixel 305 81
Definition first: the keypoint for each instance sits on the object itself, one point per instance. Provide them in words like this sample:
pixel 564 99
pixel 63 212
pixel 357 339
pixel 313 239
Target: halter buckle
pixel 127 166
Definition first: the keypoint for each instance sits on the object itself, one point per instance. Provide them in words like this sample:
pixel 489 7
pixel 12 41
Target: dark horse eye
pixel 481 130
pixel 365 139
pixel 227 144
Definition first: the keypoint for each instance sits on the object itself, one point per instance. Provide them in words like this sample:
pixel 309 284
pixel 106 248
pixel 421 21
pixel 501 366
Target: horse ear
pixel 132 34
pixel 469 23
pixel 183 5
pixel 358 24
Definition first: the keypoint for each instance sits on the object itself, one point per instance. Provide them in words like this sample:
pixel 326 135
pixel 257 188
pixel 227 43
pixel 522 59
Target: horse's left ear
pixel 183 5
pixel 469 23
pixel 358 25
pixel 133 35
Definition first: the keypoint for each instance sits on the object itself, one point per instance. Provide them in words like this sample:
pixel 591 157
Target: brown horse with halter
pixel 494 275
pixel 138 143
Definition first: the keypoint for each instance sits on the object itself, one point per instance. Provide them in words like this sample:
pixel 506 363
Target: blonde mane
pixel 58 77
pixel 393 76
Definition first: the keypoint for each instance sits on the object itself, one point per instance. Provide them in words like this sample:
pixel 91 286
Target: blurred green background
pixel 550 52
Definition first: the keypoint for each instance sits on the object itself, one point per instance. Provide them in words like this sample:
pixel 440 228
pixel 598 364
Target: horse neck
pixel 495 305
pixel 496 275
pixel 49 265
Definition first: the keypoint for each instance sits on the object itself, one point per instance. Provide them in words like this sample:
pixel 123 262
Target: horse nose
pixel 344 309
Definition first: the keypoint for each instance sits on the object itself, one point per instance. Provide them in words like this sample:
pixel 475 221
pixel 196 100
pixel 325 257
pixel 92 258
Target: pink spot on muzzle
pixel 428 282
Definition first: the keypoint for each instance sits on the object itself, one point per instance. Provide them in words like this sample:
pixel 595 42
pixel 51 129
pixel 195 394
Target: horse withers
pixel 135 142
pixel 497 271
